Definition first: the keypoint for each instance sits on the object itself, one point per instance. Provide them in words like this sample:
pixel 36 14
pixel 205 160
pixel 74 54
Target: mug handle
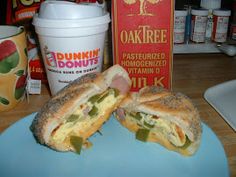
pixel 20 29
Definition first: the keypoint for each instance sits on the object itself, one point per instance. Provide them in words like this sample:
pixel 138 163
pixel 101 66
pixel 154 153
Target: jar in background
pixel 198 25
pixel 220 25
pixel 233 31
pixel 210 5
pixel 179 26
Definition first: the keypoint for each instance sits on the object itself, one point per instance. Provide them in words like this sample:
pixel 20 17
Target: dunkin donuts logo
pixel 71 59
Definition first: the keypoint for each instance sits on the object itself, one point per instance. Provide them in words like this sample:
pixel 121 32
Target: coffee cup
pixel 71 38
pixel 13 66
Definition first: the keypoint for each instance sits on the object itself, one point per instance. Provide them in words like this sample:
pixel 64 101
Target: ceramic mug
pixel 13 66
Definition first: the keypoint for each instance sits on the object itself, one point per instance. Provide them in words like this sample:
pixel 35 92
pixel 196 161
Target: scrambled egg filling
pixel 158 125
pixel 84 116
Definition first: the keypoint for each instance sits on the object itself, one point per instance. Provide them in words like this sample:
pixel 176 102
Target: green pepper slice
pixel 100 97
pixel 72 118
pixel 116 92
pixel 93 111
pixel 149 126
pixel 137 116
pixel 77 143
pixel 94 98
pixel 142 134
pixel 186 144
pixel 103 96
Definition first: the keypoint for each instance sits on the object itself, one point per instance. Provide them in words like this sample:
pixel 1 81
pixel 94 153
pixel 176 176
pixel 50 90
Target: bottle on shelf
pixel 198 25
pixel 179 26
pixel 210 5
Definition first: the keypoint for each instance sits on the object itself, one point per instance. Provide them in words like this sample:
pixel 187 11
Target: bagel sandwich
pixel 155 114
pixel 79 110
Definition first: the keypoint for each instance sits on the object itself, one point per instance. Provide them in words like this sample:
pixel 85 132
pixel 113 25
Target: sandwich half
pixel 79 110
pixel 155 114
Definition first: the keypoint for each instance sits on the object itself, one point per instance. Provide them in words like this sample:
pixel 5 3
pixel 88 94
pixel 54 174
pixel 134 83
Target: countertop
pixel 192 75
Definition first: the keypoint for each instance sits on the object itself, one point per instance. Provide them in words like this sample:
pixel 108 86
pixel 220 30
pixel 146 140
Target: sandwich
pixel 79 110
pixel 155 114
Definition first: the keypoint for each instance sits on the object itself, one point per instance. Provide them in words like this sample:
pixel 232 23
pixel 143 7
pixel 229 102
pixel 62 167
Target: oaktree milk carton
pixel 143 40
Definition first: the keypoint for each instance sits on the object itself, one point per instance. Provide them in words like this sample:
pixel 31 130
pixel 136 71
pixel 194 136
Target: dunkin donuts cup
pixel 71 38
pixel 13 66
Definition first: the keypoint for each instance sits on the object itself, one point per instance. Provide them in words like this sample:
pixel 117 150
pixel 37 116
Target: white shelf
pixel 196 48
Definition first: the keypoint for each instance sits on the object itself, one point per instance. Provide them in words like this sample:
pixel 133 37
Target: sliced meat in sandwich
pixel 158 115
pixel 76 112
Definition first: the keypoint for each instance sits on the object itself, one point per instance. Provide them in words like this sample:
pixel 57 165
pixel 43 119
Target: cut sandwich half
pixel 76 112
pixel 157 115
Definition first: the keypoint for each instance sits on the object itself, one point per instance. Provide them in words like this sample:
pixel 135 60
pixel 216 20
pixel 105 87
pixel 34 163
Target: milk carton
pixel 143 40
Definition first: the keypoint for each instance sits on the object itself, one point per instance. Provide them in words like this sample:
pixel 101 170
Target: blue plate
pixel 115 153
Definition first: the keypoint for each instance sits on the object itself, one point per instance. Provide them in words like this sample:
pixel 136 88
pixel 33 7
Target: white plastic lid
pixel 211 4
pixel 63 14
pixel 199 12
pixel 222 12
pixel 180 13
pixel 68 10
